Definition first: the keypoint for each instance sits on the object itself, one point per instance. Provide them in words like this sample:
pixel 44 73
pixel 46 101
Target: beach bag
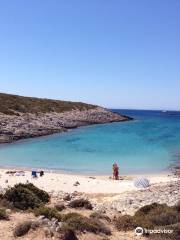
pixel 141 183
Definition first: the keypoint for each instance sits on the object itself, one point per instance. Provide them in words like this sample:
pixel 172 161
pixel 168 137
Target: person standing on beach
pixel 115 171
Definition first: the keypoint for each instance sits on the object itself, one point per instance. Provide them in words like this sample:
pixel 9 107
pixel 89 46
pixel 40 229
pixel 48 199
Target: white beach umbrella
pixel 141 182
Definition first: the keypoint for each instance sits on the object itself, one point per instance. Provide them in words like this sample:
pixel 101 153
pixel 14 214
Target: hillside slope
pixel 13 104
pixel 25 117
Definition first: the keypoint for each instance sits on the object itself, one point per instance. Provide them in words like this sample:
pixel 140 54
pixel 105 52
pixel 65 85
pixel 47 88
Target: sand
pixel 55 182
pixel 101 189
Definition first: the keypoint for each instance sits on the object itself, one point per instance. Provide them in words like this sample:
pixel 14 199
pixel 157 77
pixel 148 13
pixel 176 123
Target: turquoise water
pixel 147 144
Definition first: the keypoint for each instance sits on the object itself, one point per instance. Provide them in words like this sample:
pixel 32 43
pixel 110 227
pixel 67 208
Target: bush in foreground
pixel 25 196
pixel 81 223
pixel 22 198
pixel 81 203
pixel 41 194
pixel 22 229
pixel 156 215
pixel 151 217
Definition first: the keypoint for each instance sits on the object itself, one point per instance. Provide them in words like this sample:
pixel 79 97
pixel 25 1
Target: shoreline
pixel 60 133
pixel 85 174
pixel 55 182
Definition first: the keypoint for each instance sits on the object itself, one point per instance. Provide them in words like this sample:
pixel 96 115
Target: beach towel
pixel 20 173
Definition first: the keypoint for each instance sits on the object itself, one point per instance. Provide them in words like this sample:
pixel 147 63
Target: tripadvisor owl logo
pixel 139 231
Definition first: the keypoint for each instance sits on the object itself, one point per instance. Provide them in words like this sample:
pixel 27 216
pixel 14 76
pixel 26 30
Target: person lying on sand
pixel 15 173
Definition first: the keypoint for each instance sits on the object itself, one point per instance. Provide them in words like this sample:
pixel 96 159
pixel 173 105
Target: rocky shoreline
pixel 29 125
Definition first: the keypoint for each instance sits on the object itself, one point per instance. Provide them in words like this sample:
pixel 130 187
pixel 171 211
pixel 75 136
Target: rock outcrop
pixel 130 202
pixel 28 125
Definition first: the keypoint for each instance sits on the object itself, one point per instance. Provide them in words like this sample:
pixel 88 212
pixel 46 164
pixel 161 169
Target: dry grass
pixel 151 217
pixel 80 223
pixel 47 212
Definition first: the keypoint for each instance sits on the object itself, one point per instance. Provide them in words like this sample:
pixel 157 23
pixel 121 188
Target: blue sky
pixel 119 53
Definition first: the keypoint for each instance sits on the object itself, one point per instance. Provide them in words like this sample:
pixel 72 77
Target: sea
pixel 148 144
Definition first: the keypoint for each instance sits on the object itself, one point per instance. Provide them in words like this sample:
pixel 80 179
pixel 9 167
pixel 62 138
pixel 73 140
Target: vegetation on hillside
pixel 12 104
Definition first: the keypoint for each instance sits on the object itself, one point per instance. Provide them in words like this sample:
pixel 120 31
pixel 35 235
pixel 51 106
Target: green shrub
pixel 47 212
pixel 41 194
pixel 22 229
pixel 22 198
pixel 149 217
pixel 25 196
pixel 81 203
pixel 165 217
pixel 3 214
pixel 148 208
pixel 156 215
pixel 81 223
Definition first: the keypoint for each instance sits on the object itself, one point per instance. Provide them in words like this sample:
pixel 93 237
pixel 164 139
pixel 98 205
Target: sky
pixel 114 53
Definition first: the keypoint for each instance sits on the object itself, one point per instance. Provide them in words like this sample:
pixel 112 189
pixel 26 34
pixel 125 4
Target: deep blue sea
pixel 148 144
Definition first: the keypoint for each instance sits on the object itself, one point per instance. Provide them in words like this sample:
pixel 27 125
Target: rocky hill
pixel 25 117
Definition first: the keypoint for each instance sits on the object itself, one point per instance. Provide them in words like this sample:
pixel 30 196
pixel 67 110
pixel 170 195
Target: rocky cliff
pixel 20 120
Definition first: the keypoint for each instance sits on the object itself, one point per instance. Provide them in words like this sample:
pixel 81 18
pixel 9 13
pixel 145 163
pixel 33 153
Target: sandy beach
pixel 115 198
pixel 55 182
